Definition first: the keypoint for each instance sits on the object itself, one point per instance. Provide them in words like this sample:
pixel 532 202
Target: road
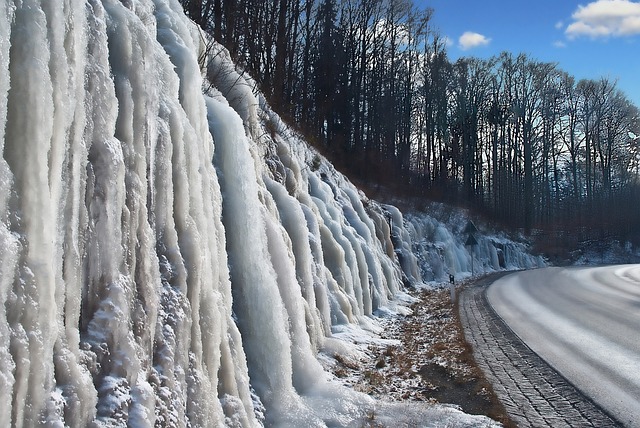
pixel 533 393
pixel 584 322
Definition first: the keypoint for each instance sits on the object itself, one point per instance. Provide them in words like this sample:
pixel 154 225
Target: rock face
pixel 171 253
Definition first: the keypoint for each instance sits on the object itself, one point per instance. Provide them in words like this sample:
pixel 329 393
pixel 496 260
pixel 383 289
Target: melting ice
pixel 172 254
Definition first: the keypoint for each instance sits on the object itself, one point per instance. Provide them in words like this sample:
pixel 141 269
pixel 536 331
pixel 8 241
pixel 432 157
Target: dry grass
pixel 433 362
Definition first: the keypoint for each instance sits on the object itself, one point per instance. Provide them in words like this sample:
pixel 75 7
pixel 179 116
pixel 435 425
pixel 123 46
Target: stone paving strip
pixel 533 393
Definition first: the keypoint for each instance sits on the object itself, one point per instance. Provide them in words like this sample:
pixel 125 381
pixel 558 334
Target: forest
pixel 370 84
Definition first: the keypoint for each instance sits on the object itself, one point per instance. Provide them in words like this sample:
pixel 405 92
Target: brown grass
pixel 432 363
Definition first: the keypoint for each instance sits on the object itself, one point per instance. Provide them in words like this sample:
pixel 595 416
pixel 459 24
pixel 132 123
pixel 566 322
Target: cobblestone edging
pixel 533 393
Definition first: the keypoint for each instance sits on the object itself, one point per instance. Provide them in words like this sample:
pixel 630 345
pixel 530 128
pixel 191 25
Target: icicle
pixel 293 220
pixel 264 324
pixel 8 241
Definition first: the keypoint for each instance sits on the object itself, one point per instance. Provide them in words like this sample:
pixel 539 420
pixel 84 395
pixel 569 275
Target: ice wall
pixel 115 292
pixel 439 246
pixel 134 289
pixel 171 254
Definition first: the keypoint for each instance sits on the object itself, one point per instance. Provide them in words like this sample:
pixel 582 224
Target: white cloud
pixel 559 25
pixel 605 18
pixel 559 44
pixel 471 40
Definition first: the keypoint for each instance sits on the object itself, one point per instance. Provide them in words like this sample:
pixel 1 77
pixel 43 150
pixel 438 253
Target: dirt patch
pixel 452 372
pixel 429 361
pixel 469 394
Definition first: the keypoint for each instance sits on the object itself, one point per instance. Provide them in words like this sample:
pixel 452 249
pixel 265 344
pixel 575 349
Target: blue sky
pixel 588 39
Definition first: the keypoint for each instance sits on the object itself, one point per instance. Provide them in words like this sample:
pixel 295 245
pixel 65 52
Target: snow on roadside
pixel 396 363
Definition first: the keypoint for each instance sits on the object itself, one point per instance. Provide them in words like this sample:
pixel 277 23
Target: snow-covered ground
pixel 594 253
pixel 585 322
pixel 389 365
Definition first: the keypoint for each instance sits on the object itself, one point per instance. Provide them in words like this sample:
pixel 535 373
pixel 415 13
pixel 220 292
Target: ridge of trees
pixel 515 138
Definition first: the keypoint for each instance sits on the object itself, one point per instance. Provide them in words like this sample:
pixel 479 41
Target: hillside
pixel 172 254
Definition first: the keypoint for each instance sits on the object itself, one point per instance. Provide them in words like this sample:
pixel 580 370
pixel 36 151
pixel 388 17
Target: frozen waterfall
pixel 171 254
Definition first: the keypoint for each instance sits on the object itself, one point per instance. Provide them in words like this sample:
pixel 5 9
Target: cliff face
pixel 171 253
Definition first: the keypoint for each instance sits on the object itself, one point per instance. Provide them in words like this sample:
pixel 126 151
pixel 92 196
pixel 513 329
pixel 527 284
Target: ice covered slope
pixel 170 253
pixel 439 246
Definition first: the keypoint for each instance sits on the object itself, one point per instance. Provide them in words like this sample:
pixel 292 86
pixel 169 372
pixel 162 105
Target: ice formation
pixel 171 254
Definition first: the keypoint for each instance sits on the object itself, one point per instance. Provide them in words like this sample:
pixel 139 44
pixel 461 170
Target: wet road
pixel 584 322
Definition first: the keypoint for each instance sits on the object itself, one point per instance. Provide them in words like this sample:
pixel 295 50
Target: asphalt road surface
pixel 584 322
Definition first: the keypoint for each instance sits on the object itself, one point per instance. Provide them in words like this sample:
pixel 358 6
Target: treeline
pixel 372 83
